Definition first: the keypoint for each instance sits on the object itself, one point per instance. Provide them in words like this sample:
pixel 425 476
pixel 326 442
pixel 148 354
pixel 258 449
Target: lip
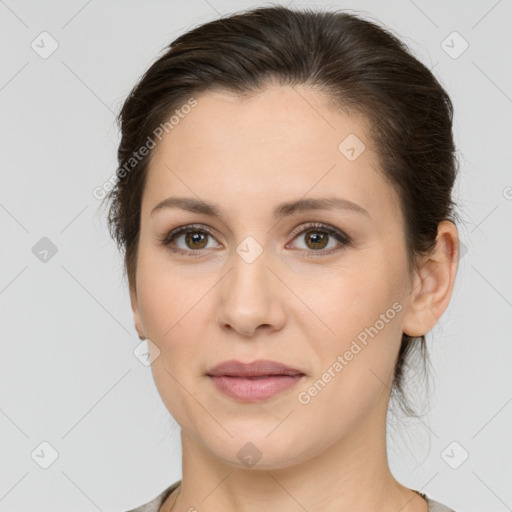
pixel 261 367
pixel 255 381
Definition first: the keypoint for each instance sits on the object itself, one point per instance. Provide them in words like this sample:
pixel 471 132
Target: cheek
pixel 349 299
pixel 171 389
pixel 164 297
pixel 174 312
pixel 355 366
pixel 363 312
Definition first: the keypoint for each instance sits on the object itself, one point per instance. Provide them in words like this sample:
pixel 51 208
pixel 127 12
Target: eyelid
pixel 321 226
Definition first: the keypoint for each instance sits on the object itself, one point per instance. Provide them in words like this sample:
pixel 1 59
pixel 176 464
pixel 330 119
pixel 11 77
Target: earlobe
pixel 136 315
pixel 433 283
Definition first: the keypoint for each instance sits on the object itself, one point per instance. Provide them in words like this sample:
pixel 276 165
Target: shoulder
pixel 155 504
pixel 435 506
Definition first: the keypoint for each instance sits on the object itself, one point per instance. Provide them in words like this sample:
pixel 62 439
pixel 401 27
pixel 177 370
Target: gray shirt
pixel 155 504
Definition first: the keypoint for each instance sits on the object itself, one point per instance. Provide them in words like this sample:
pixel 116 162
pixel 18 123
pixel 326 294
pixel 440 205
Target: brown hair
pixel 361 66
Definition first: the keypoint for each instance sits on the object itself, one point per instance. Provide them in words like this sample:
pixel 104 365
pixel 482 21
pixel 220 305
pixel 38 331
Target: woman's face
pixel 248 285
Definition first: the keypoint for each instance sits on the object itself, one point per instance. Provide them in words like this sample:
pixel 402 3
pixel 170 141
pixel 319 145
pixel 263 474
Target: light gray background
pixel 68 375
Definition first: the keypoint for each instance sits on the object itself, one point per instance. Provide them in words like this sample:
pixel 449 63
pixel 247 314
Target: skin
pixel 247 156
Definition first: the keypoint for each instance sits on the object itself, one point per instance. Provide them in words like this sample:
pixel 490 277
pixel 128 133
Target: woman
pixel 284 205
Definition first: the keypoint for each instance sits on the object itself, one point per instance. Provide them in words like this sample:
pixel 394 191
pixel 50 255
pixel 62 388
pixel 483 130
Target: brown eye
pixel 196 239
pixel 317 238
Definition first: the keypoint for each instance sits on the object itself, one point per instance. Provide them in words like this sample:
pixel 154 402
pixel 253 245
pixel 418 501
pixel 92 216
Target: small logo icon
pixel 44 455
pixel 44 45
pixel 249 249
pixel 146 352
pixel 454 455
pixel 454 45
pixel 44 250
pixel 351 147
pixel 249 454
pixel 463 249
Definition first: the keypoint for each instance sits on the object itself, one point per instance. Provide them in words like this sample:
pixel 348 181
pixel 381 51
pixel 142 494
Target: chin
pixel 253 450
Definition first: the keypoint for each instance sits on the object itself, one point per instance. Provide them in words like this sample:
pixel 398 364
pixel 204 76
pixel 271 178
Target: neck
pixel 352 474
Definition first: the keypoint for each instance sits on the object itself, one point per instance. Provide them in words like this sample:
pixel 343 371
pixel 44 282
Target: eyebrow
pixel 282 210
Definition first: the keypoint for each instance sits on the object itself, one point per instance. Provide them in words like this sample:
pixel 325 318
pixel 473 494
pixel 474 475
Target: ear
pixel 136 315
pixel 433 283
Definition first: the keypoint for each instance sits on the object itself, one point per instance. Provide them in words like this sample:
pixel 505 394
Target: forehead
pixel 280 144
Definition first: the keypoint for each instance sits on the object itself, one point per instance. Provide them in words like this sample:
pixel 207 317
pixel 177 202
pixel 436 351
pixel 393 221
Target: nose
pixel 251 297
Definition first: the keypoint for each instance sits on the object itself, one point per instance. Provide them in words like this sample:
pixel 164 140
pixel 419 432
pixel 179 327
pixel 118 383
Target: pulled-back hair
pixel 362 67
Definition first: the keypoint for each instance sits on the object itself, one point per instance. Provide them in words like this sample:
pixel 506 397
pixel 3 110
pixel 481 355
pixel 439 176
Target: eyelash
pixel 341 237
